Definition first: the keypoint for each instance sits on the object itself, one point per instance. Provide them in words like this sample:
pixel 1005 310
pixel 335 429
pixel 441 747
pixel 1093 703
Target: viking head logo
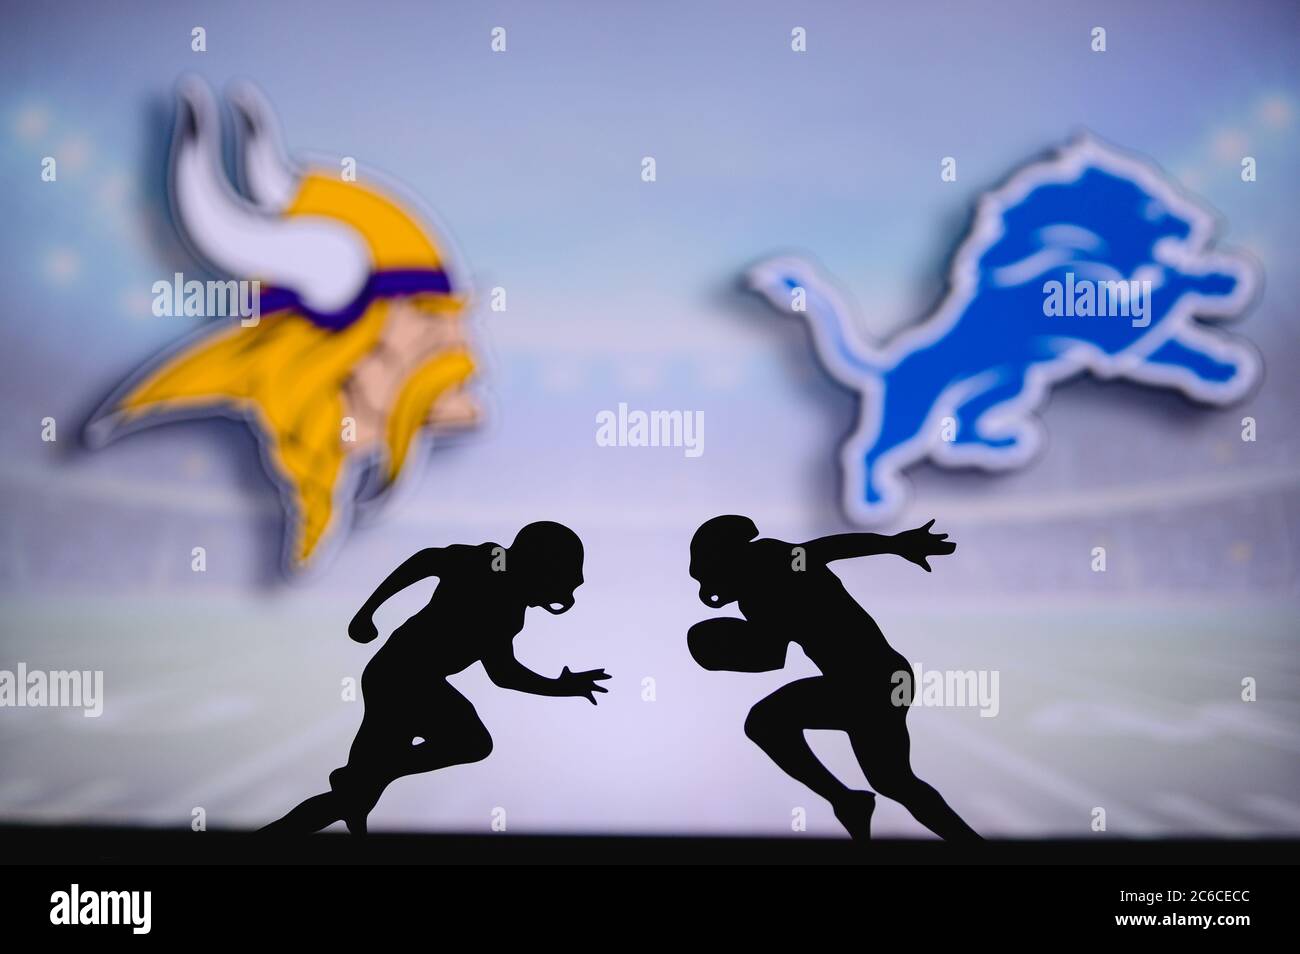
pixel 360 344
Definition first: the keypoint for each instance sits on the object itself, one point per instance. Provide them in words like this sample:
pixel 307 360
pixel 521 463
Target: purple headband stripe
pixel 385 284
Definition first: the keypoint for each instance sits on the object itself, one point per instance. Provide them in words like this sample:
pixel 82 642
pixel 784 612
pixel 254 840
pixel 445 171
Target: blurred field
pixel 1135 711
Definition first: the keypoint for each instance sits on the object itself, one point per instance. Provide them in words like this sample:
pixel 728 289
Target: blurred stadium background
pixel 1119 690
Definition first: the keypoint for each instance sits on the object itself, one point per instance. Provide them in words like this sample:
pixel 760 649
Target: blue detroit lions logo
pixel 986 358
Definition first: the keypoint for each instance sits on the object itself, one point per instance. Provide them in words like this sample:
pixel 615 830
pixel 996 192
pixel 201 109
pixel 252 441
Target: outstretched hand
pixel 917 545
pixel 583 683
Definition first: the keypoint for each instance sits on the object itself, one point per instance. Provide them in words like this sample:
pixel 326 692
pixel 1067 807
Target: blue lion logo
pixel 1089 261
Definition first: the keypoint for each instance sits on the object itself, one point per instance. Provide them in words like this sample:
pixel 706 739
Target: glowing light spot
pixel 62 265
pixel 74 153
pixel 1276 112
pixel 1230 145
pixel 32 123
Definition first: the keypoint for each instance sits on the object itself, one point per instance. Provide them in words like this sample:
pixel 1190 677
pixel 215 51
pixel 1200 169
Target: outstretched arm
pixel 509 673
pixel 915 546
pixel 420 566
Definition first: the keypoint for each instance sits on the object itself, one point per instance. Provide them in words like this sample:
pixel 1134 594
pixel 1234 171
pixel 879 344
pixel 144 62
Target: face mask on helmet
pixel 559 607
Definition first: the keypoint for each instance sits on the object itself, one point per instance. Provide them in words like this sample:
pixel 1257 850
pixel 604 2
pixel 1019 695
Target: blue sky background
pixel 1118 688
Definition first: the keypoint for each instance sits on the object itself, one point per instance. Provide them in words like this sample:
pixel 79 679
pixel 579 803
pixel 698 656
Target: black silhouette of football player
pixel 787 593
pixel 414 720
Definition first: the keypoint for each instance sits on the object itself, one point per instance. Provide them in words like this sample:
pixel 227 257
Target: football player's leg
pixel 372 764
pixel 317 812
pixel 414 730
pixel 776 724
pixel 883 749
pixel 354 788
pixel 448 732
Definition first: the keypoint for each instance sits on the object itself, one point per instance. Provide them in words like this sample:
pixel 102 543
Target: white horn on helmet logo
pixel 324 262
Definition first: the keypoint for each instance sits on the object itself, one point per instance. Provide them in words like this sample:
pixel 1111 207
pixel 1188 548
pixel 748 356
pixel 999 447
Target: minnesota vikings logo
pixel 1089 261
pixel 360 346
